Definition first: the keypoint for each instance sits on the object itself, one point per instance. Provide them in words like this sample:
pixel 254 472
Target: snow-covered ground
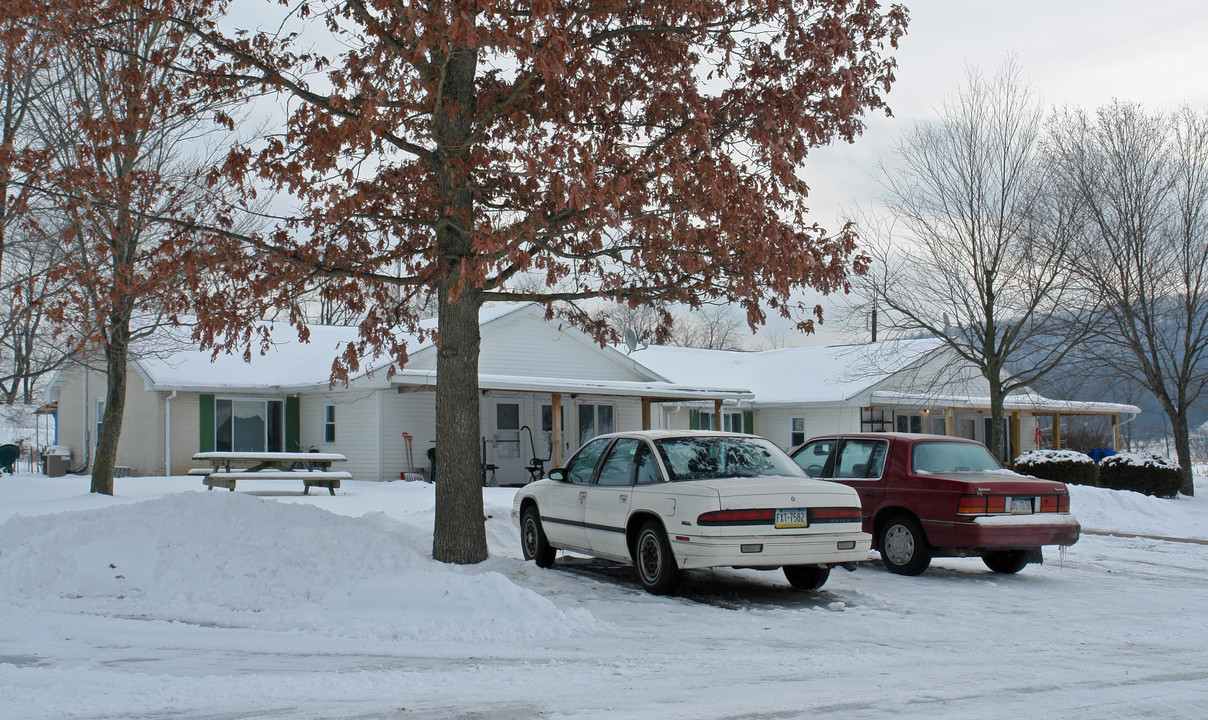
pixel 164 602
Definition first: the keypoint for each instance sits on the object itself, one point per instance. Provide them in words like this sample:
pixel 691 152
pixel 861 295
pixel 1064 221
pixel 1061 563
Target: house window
pixel 874 420
pixel 594 420
pixel 910 423
pixel 246 425
pixel 730 422
pixel 329 423
pixel 796 431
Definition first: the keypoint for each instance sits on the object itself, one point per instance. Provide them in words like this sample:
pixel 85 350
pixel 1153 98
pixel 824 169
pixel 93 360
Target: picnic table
pixel 312 468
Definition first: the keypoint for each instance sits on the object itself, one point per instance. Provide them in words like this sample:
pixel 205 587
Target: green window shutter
pixel 205 439
pixel 748 421
pixel 694 419
pixel 293 425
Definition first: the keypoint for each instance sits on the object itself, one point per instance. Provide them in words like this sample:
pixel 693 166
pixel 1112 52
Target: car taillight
pixel 835 515
pixel 1048 503
pixel 1063 503
pixel 996 504
pixel 736 517
pixel 971 505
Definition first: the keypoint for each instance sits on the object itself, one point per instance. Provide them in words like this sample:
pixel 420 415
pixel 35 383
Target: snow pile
pixel 1124 511
pixel 233 559
pixel 1139 460
pixel 1038 457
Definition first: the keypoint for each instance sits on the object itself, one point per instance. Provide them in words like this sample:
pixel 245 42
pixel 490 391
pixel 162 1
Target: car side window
pixel 812 457
pixel 617 468
pixel 648 472
pixel 861 459
pixel 583 464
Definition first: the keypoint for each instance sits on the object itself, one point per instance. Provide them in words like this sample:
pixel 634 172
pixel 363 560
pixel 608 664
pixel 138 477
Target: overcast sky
pixel 1075 52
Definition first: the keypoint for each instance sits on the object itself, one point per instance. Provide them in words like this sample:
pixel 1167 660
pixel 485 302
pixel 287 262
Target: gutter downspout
pixel 168 434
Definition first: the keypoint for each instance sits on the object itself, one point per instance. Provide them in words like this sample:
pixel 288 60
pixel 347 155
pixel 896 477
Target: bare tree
pixel 1144 178
pixel 976 248
pixel 117 128
pixel 711 326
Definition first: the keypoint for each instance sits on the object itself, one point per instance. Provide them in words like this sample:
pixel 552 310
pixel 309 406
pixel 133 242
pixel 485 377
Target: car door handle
pixel 870 494
pixel 582 497
pixel 623 498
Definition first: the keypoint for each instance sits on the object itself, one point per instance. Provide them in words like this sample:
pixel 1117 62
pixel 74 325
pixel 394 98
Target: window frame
pixel 329 423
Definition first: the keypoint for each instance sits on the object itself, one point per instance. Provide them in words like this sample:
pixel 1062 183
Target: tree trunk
pixel 1182 447
pixel 116 354
pixel 998 423
pixel 460 534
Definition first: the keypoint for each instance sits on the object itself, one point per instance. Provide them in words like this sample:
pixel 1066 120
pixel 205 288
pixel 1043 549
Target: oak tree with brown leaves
pixel 631 151
pixel 481 150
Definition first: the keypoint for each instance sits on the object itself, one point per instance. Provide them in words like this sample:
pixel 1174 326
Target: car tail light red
pixel 996 504
pixel 971 505
pixel 736 517
pixel 1048 503
pixel 835 515
pixel 1063 503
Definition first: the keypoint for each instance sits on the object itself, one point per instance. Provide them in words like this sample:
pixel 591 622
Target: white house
pixel 184 402
pixel 906 385
pixel 546 387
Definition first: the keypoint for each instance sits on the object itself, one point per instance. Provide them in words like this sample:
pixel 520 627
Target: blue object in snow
pixel 1098 454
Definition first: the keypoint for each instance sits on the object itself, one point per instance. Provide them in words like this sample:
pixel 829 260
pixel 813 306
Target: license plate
pixel 792 518
pixel 1021 506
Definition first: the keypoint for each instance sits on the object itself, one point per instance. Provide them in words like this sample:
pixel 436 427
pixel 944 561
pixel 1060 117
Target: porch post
pixel 1056 432
pixel 556 421
pixel 1116 431
pixel 717 423
pixel 949 422
pixel 645 413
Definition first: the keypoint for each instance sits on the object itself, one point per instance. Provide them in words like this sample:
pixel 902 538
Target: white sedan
pixel 672 500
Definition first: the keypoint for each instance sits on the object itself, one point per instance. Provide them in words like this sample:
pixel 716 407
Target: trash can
pixel 56 460
pixel 432 464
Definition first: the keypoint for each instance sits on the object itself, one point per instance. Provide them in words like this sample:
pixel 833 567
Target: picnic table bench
pixel 312 468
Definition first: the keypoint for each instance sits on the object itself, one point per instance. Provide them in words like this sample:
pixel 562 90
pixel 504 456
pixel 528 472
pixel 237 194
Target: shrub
pixel 1149 474
pixel 1066 466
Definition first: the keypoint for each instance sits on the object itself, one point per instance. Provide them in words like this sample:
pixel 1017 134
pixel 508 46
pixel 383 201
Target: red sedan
pixel 928 496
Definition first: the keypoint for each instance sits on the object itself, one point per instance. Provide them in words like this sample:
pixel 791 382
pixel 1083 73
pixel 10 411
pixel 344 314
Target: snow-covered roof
pixel 288 364
pixel 1031 402
pixel 658 391
pixel 799 375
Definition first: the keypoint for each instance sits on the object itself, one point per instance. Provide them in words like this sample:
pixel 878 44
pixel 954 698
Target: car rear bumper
pixel 1003 532
pixel 770 551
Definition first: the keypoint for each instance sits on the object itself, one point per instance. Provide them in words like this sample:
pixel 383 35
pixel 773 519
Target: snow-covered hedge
pixel 1067 466
pixel 1149 474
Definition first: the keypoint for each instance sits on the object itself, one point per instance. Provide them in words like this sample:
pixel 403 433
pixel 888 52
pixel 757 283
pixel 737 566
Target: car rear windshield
pixel 702 458
pixel 944 457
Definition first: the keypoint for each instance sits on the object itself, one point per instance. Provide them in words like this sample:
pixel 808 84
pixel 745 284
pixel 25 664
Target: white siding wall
pixel 357 427
pixel 141 445
pixel 525 344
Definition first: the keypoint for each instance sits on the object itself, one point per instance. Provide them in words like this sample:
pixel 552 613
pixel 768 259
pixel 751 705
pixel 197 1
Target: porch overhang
pixel 1036 404
pixel 425 380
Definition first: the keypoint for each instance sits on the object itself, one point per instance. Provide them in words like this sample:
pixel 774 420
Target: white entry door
pixel 504 446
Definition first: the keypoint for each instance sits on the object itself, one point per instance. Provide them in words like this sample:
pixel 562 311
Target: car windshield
pixel 703 458
pixel 943 457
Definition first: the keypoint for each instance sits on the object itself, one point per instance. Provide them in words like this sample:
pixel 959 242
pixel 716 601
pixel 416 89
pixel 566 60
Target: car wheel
pixel 532 539
pixel 806 577
pixel 1006 561
pixel 653 558
pixel 903 546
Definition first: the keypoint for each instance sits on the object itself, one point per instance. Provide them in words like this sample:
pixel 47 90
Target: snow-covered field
pixel 164 602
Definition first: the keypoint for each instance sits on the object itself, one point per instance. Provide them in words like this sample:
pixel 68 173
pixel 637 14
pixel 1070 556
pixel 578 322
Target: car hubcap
pixel 899 545
pixel 530 537
pixel 649 557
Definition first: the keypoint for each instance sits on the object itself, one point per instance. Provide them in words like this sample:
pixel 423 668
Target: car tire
pixel 806 577
pixel 903 546
pixel 1007 562
pixel 654 560
pixel 532 538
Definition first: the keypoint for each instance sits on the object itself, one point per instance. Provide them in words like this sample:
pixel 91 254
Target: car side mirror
pixel 558 474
